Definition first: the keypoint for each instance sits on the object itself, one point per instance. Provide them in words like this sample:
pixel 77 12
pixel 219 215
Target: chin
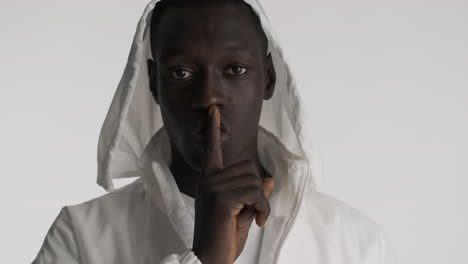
pixel 195 152
pixel 194 157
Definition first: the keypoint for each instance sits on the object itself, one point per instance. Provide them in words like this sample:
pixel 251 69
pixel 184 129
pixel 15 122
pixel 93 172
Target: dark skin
pixel 211 72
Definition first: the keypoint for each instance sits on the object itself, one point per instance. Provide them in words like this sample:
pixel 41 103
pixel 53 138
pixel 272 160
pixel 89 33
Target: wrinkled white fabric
pixel 147 221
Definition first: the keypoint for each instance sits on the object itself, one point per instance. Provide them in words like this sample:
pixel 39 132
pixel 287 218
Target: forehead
pixel 205 30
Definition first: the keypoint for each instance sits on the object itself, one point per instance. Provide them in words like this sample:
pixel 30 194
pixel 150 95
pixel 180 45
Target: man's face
pixel 204 56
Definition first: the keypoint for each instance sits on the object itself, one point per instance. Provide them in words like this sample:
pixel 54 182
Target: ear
pixel 270 77
pixel 153 81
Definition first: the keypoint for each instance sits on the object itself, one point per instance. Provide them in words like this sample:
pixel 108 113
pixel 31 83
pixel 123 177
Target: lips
pixel 201 132
pixel 202 129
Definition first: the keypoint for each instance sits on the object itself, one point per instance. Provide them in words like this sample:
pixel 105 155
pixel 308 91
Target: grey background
pixel 386 83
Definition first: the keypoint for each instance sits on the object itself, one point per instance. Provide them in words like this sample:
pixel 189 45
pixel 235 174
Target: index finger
pixel 213 153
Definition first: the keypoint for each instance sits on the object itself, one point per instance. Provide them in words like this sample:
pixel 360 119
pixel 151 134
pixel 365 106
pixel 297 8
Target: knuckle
pixel 248 164
pixel 252 165
pixel 253 168
pixel 214 195
pixel 257 192
pixel 259 181
pixel 219 198
pixel 209 193
pixel 252 180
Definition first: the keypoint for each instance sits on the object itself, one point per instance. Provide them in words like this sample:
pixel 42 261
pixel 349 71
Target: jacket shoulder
pixel 334 214
pixel 337 233
pixel 59 245
pixel 108 207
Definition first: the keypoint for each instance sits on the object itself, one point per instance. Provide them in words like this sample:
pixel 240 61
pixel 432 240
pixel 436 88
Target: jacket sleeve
pixel 59 244
pixel 187 257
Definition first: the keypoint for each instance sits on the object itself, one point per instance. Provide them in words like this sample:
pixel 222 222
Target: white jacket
pixel 147 220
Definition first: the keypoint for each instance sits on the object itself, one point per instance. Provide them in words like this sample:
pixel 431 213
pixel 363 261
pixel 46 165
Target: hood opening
pixel 134 118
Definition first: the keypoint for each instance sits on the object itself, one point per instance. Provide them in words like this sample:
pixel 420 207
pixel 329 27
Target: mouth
pixel 200 134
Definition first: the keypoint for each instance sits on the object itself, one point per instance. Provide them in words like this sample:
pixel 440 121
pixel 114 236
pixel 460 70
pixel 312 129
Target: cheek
pixel 247 106
pixel 249 98
pixel 175 105
pixel 173 116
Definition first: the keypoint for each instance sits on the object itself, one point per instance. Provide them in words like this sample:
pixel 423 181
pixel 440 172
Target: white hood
pixel 134 117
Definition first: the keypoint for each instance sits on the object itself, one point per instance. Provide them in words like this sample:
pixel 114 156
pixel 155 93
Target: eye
pixel 181 74
pixel 237 70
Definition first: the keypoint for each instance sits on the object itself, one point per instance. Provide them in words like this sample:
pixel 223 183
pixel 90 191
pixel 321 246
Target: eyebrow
pixel 169 52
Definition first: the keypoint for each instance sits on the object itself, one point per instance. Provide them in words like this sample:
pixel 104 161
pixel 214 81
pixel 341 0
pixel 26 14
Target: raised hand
pixel 228 200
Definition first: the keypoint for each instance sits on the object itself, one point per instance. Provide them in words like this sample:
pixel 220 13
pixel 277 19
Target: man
pixel 209 118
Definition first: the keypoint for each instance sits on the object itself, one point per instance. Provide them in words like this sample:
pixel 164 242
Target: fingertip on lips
pixel 211 110
pixel 215 115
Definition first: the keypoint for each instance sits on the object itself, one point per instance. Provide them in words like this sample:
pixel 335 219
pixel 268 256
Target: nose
pixel 208 91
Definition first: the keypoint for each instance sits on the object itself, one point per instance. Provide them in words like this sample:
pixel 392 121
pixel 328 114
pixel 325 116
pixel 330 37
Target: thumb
pixel 247 214
pixel 268 186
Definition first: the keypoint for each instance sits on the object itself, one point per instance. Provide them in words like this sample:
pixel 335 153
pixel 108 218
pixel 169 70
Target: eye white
pixel 243 70
pixel 186 74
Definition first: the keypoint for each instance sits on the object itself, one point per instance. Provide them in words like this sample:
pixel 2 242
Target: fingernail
pixel 211 110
